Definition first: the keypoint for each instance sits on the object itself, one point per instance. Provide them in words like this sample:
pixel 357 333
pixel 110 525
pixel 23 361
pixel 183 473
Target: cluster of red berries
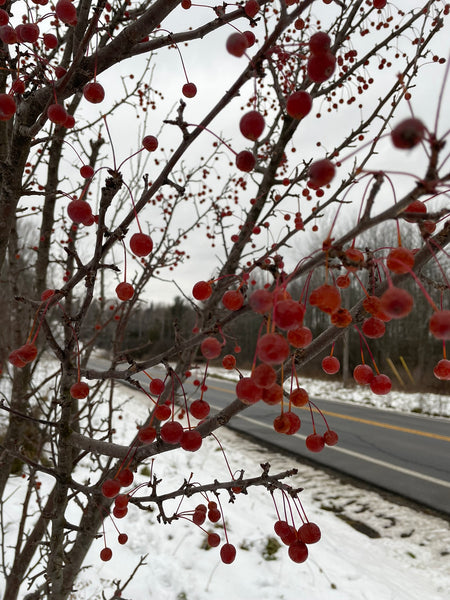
pixel 297 539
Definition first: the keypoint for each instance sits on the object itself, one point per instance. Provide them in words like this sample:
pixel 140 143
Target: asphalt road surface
pixel 403 453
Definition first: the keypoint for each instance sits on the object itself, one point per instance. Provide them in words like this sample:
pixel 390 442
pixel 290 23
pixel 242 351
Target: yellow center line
pixel 435 436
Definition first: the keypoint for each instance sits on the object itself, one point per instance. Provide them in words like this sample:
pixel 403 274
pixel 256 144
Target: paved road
pixel 404 453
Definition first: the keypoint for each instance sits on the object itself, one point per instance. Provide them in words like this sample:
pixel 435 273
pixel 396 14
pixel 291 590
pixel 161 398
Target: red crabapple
pixel 50 41
pixel 199 409
pixel 191 440
pixel 299 397
pixel 252 125
pixel 189 90
pixel 150 143
pixel 213 540
pixel 298 552
pixel 94 92
pixel 245 161
pixel 300 338
pixel 141 244
pixel 251 8
pixel 298 104
pixel 379 4
pixel 373 328
pixel 171 432
pixel 320 43
pixel 442 370
pixel 57 114
pixel 330 437
pixel 261 301
pixel 156 386
pixel 7 107
pixel 380 385
pixel 272 395
pixel 363 374
pixel 264 375
pixel 315 442
pixel 309 533
pixel 331 365
pixel 79 211
pixel 86 171
pixel 124 291
pixel 416 207
pixel 408 133
pixel 202 290
pixel 321 67
pixel 247 391
pixel 79 390
pixel 288 314
pixel 122 538
pixel 27 352
pixel 440 324
pixel 396 302
pixel 272 348
pixel 320 172
pixel 106 554
pixel 237 44
pixel 228 362
pixel 233 299
pixel 400 260
pixel 110 488
pixel 211 348
pixel 66 12
pixel 228 553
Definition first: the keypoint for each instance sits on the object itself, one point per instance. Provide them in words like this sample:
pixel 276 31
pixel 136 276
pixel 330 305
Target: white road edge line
pixel 375 461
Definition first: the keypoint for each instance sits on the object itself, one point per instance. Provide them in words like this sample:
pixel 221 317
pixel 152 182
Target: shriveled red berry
pixel 300 338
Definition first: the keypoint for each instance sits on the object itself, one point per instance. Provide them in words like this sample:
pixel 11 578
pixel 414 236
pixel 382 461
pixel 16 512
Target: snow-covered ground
pixel 372 548
pixel 402 554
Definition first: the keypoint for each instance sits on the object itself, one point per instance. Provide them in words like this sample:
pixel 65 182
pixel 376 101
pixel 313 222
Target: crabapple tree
pixel 127 165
